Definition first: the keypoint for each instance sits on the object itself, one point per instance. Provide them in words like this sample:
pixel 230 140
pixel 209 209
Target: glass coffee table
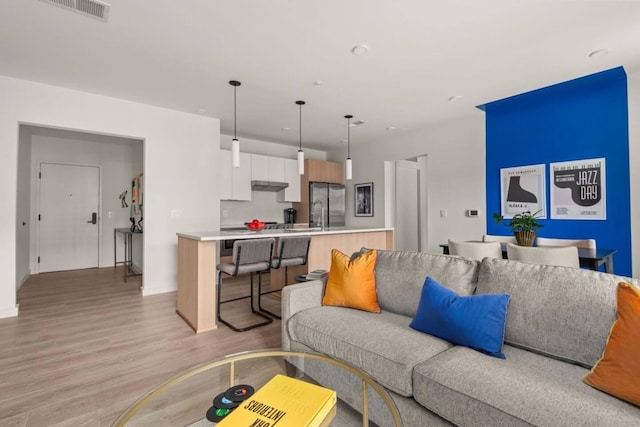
pixel 185 399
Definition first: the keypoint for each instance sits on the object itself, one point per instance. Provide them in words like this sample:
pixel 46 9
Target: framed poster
pixel 522 189
pixel 578 189
pixel 364 199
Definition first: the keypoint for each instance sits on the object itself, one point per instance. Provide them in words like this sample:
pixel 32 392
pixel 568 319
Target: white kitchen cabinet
pixel 267 168
pixel 292 192
pixel 224 175
pixel 276 169
pixel 235 183
pixel 259 167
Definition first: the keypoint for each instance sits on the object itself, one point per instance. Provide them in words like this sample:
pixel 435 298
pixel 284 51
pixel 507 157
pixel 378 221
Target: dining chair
pixel 565 256
pixel 501 239
pixel 291 250
pixel 475 250
pixel 585 243
pixel 249 256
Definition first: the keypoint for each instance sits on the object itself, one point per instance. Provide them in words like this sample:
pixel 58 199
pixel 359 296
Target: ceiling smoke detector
pixel 93 8
pixel 360 49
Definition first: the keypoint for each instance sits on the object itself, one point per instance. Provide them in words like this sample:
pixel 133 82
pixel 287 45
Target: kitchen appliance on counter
pixel 290 216
pixel 331 199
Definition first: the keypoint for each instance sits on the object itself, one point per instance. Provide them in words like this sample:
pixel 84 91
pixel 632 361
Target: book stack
pixel 285 402
pixel 317 274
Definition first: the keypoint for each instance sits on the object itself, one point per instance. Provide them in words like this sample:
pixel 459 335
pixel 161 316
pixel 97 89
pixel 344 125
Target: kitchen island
pixel 197 258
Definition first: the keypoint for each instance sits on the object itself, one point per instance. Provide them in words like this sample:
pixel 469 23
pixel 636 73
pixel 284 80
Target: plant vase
pixel 525 238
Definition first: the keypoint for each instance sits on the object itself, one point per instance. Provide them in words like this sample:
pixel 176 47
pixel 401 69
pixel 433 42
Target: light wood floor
pixel 86 345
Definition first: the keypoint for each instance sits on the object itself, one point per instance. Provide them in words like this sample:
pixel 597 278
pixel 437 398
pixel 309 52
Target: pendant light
pixel 348 165
pixel 235 144
pixel 300 152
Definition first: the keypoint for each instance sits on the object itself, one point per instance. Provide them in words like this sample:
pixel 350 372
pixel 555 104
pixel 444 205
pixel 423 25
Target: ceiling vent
pixel 357 123
pixel 93 8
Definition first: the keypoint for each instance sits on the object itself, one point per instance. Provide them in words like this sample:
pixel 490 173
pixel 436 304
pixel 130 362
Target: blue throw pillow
pixel 476 321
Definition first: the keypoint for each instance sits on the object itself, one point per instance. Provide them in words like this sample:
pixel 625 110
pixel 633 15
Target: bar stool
pixel 293 250
pixel 249 256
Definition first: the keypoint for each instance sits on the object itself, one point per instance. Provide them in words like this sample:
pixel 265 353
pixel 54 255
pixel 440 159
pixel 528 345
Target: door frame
pixel 36 264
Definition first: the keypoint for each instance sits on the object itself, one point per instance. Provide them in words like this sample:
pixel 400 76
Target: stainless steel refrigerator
pixel 331 197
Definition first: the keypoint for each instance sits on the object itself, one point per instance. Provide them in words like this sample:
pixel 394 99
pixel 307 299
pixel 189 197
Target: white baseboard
pixel 146 290
pixel 9 311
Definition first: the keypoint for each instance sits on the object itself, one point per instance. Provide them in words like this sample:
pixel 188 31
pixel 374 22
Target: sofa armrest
pixel 299 297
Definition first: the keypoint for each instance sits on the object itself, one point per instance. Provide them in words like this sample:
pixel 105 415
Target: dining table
pixel 589 258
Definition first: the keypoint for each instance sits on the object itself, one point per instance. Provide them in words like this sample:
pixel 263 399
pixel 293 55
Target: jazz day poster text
pixel 578 189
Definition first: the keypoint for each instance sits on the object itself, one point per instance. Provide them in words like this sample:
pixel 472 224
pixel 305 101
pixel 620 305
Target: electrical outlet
pixel 175 213
pixel 443 213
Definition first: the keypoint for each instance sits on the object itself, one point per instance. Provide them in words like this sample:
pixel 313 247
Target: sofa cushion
pixel 382 345
pixel 469 388
pixel 561 312
pixel 352 283
pixel 618 371
pixel 400 276
pixel 475 321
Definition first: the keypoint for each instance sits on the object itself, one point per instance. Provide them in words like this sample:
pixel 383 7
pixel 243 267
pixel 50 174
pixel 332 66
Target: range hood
pixel 268 185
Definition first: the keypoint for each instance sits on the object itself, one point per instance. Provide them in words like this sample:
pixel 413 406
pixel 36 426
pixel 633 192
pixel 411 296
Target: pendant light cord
pixel 235 113
pixel 300 127
pixel 348 137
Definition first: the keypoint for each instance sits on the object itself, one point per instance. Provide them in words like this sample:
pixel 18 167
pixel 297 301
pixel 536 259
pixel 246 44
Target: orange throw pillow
pixel 352 283
pixel 618 371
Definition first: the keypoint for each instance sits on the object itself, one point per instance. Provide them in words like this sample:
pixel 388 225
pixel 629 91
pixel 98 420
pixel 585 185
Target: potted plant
pixel 524 226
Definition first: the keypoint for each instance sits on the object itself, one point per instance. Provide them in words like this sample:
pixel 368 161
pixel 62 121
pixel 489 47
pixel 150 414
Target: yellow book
pixel 285 402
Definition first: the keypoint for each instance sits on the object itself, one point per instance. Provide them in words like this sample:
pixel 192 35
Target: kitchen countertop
pixel 204 236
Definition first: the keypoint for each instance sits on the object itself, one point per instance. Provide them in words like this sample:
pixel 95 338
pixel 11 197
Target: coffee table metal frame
pixel 233 358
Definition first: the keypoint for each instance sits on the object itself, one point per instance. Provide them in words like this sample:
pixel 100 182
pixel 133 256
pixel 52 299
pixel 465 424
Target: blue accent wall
pixel 585 118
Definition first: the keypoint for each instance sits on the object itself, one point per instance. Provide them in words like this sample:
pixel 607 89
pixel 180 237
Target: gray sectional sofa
pixel 557 326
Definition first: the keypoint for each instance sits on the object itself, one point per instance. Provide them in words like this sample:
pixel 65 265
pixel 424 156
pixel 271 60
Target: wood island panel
pixel 321 246
pixel 196 297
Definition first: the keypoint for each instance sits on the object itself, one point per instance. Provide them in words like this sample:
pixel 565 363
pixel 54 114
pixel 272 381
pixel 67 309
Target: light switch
pixel 175 213
pixel 443 213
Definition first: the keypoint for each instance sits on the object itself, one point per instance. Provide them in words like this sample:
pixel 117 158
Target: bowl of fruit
pixel 255 225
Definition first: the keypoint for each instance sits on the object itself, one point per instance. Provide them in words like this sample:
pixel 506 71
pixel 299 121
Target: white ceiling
pixel 180 54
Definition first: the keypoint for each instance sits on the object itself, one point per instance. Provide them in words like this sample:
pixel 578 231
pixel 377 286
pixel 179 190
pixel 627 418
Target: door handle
pixel 94 218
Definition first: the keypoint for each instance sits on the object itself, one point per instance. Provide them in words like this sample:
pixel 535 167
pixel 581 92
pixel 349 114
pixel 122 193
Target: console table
pixel 127 237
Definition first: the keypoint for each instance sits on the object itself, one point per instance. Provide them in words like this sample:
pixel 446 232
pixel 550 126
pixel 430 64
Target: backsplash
pixel 263 205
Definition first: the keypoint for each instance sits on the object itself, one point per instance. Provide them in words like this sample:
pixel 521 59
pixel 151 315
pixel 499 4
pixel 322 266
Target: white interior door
pixel 69 206
pixel 407 229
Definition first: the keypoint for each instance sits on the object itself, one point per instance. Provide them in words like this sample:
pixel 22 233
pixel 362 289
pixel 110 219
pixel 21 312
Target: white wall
pixel 633 94
pixel 455 153
pixel 180 150
pixel 137 167
pixel 113 155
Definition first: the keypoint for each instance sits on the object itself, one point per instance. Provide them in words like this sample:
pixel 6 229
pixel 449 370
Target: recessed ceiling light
pixel 344 141
pixel 392 128
pixel 318 82
pixel 455 98
pixel 201 111
pixel 599 53
pixel 285 129
pixel 360 49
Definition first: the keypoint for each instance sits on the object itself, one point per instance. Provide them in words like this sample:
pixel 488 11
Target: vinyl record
pixel 239 393
pixel 215 415
pixel 222 402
